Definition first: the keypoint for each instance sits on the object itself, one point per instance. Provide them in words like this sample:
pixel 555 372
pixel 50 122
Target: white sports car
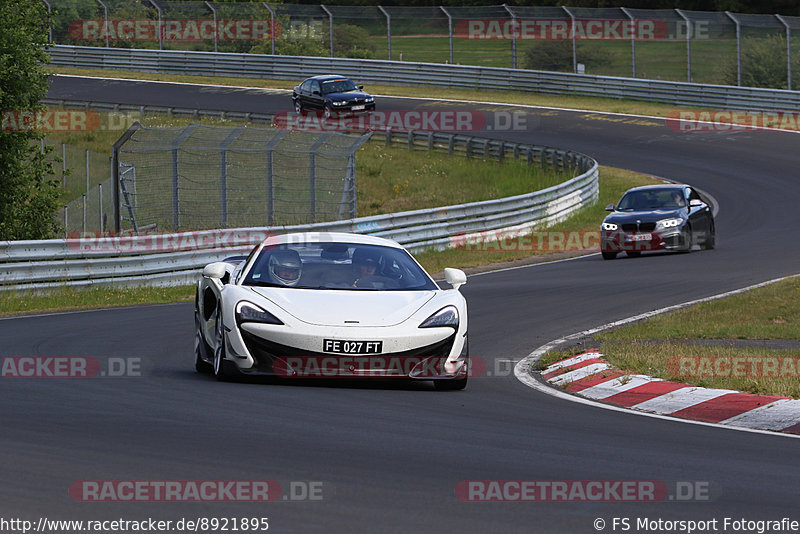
pixel 319 305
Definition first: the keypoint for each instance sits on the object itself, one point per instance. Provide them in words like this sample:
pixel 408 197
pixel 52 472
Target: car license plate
pixel 341 346
pixel 639 237
pixel 357 108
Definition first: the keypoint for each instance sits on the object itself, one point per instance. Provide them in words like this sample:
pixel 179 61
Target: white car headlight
pixel 247 312
pixel 447 316
pixel 668 223
pixel 370 99
pixel 609 226
pixel 339 103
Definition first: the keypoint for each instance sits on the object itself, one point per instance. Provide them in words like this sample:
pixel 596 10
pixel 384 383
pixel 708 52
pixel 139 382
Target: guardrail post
pixel 176 199
pixel 50 21
pixel 410 135
pixel 84 211
pixel 788 52
pixel 105 11
pixel 330 24
pixel 388 31
pixel 87 171
pixel 271 26
pixel 223 175
pixel 63 165
pixel 633 40
pixel 738 48
pixel 66 221
pixel 430 141
pixel 688 45
pixel 449 31
pixel 271 176
pixel 312 176
pixel 160 29
pixel 572 36
pixel 216 28
pixel 513 37
pixel 451 144
pixel 100 199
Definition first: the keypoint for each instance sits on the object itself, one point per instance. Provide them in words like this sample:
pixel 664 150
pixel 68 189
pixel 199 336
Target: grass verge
pixel 67 298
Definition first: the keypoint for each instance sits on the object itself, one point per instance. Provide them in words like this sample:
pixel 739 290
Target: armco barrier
pixel 421 74
pixel 134 260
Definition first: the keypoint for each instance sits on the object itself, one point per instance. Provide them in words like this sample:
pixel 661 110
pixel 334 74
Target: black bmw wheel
pixel 609 255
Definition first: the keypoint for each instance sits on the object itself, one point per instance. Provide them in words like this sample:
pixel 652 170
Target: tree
pixel 28 191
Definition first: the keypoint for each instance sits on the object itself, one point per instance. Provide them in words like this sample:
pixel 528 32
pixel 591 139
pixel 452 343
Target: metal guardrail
pixel 173 259
pixel 424 74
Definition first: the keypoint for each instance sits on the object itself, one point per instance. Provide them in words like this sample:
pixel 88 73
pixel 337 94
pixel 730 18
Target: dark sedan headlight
pixel 664 224
pixel 340 103
pixel 369 100
pixel 447 316
pixel 610 227
pixel 247 312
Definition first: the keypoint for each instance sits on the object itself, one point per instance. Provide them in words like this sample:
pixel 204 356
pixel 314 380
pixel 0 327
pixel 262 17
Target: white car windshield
pixel 337 265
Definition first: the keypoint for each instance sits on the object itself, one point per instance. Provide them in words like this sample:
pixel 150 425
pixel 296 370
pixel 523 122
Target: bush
pixel 763 64
pixel 352 41
pixel 557 56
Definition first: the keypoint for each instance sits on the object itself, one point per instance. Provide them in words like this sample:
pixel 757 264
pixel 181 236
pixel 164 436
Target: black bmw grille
pixel 642 227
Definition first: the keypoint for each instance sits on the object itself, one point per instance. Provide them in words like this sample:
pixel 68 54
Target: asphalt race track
pixel 389 457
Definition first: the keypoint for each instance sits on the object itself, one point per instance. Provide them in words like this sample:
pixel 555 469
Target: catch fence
pixel 757 50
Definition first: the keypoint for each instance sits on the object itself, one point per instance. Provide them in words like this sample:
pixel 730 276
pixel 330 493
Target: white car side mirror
pixel 695 202
pixel 455 277
pixel 215 270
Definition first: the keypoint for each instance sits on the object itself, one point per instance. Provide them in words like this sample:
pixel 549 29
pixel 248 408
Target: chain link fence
pixel 202 177
pixel 668 44
pixel 86 178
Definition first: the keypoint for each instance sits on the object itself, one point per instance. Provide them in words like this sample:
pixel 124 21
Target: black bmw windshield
pixel 335 265
pixel 338 86
pixel 652 199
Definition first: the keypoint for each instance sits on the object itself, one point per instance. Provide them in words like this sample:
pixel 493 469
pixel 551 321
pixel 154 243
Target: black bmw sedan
pixel 330 94
pixel 657 217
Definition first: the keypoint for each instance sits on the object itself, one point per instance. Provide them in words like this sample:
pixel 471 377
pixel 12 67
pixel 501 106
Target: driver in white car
pixel 285 267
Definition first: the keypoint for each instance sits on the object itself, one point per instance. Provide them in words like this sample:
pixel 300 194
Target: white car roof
pixel 330 237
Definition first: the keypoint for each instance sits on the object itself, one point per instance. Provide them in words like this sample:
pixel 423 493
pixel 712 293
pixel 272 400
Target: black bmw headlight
pixel 247 312
pixel 447 316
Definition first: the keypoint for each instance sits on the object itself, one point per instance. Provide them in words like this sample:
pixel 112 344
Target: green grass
pixel 769 312
pixel 67 298
pixel 396 179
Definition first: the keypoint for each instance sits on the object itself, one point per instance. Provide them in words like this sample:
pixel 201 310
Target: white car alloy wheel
pixel 219 348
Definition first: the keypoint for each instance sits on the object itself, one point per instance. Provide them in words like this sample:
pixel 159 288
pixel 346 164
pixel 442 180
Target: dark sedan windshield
pixel 652 199
pixel 336 265
pixel 338 86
